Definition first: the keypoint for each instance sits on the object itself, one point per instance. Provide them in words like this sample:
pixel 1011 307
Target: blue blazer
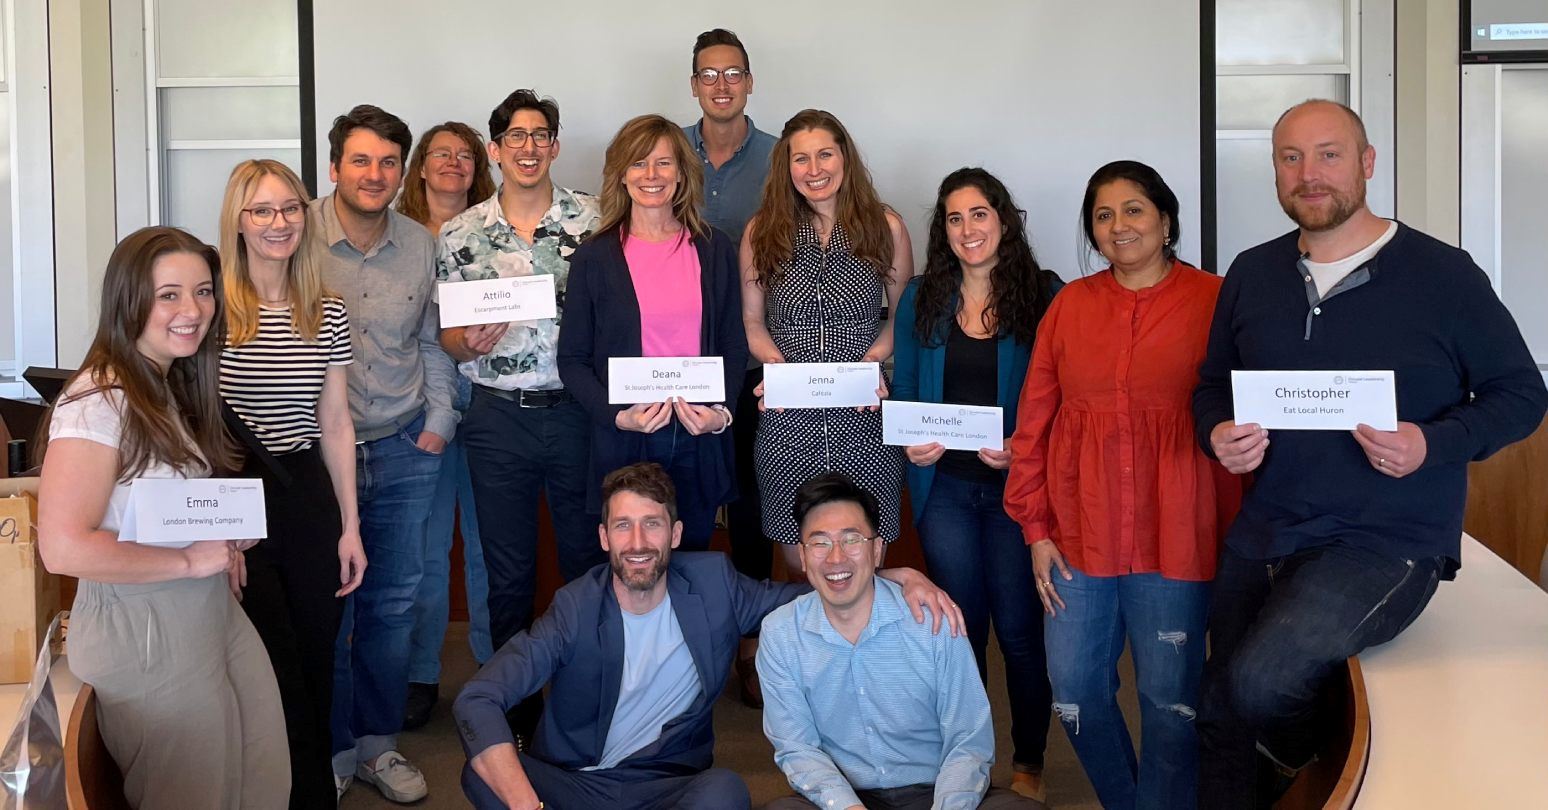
pixel 577 649
pixel 602 320
pixel 919 375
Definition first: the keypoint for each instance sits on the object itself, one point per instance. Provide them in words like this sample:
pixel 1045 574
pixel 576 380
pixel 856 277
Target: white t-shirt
pixel 659 682
pixel 1329 274
pixel 98 417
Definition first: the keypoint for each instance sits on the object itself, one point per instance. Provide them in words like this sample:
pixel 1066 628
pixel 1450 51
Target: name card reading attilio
pixel 179 511
pixel 820 385
pixel 1315 400
pixel 497 300
pixel 633 380
pixel 956 427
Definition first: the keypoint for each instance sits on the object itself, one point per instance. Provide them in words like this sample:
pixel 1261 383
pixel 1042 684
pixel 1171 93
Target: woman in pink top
pixel 656 280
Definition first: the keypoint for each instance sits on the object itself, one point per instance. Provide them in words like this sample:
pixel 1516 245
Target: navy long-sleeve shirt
pixel 1462 371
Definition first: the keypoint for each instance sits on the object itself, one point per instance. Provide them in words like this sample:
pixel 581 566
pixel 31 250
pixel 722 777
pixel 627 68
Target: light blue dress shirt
pixel 901 706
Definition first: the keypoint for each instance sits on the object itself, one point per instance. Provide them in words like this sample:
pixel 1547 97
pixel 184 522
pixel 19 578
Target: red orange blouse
pixel 1104 459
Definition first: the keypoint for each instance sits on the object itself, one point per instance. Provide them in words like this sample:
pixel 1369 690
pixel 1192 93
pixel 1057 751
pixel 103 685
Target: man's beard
pixel 639 580
pixel 1316 220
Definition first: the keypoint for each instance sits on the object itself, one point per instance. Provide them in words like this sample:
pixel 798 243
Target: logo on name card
pixel 222 489
pixel 695 362
pixel 1338 379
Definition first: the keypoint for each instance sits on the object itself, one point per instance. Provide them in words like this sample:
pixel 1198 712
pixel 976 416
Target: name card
pixel 633 380
pixel 1315 400
pixel 820 385
pixel 956 427
pixel 179 511
pixel 497 300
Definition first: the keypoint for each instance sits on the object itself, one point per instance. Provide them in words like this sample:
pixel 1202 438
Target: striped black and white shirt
pixel 275 380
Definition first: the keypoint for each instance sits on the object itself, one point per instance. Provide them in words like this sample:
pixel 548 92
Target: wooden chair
pixel 92 779
pixel 1333 780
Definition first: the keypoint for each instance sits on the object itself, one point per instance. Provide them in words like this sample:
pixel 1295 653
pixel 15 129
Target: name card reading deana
pixel 497 300
pixel 1315 400
pixel 179 511
pixel 820 385
pixel 633 380
pixel 956 427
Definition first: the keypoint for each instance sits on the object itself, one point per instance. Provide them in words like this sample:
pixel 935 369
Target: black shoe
pixel 422 698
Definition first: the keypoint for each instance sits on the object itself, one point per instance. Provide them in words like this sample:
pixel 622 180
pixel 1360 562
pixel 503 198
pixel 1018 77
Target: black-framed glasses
pixel 445 155
pixel 708 76
pixel 517 138
pixel 262 216
pixel 851 543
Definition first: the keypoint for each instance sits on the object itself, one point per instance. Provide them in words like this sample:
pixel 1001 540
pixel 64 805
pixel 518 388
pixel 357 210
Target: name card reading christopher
pixel 820 385
pixel 179 511
pixel 1315 400
pixel 497 300
pixel 633 380
pixel 955 427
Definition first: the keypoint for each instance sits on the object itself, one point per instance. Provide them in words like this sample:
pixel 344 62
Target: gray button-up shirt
pixel 399 366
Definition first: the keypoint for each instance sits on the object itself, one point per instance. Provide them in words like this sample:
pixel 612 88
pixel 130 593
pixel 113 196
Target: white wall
pixel 1041 93
pixel 1429 117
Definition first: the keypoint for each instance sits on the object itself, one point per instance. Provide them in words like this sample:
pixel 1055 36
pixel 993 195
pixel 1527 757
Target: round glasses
pixel 263 216
pixel 709 76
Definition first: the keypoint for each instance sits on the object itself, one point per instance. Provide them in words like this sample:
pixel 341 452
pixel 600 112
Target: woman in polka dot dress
pixel 816 260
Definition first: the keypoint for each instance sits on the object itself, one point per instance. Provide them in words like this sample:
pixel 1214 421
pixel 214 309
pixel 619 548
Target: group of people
pixel 1127 505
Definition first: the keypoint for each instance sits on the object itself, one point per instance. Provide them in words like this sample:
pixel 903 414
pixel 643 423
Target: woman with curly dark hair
pixel 963 335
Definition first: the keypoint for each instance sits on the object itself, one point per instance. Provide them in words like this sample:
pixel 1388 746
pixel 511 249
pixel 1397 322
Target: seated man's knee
pixel 1260 692
pixel 715 789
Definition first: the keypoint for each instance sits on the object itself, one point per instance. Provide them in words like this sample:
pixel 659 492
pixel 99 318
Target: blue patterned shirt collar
pixel 886 608
pixel 696 136
pixel 564 207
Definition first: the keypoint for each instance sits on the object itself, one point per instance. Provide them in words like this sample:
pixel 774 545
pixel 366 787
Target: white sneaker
pixel 341 786
pixel 395 777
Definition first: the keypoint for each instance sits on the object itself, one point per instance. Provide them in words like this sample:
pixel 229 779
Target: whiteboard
pixel 1039 92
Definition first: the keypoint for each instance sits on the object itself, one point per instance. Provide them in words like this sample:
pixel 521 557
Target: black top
pixel 972 378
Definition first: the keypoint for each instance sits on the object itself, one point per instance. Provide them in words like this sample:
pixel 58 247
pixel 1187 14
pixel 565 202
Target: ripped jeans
pixel 1163 621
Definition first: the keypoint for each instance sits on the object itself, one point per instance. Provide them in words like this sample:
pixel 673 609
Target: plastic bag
pixel 32 766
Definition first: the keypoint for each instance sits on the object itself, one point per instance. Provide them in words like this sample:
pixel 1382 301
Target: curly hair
pixel 414 203
pixel 1020 290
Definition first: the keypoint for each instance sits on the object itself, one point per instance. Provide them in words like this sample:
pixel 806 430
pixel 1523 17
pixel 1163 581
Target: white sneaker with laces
pixel 395 777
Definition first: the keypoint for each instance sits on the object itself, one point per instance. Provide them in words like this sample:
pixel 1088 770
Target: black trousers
pixel 291 578
pixel 752 554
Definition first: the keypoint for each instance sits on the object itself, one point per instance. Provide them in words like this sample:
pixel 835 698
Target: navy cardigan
pixel 602 320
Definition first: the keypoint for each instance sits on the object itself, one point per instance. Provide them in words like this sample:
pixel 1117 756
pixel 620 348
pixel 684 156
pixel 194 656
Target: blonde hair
pixel 634 142
pixel 304 271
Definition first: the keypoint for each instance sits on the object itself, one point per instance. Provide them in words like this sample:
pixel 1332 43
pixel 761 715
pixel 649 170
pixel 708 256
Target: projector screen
pixel 1039 92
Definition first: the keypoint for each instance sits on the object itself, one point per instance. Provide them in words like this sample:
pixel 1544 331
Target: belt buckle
pixel 521 399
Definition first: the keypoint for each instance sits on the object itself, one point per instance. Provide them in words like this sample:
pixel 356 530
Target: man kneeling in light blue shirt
pixel 866 710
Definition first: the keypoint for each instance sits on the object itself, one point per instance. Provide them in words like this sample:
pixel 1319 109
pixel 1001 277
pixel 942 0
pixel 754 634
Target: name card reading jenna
pixel 633 380
pixel 179 511
pixel 820 385
pixel 496 300
pixel 956 427
pixel 1315 400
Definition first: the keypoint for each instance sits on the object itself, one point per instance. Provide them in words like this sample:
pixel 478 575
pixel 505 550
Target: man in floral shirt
pixel 524 434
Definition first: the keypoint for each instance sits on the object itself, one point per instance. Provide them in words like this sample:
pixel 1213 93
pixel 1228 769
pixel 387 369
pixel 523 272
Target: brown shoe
pixel 1030 785
pixel 752 690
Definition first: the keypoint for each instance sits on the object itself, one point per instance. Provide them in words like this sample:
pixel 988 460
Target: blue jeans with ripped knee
pixel 1163 621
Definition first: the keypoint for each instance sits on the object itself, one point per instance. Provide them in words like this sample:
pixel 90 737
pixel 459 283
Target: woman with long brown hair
pixel 186 697
pixel 656 281
pixel 817 261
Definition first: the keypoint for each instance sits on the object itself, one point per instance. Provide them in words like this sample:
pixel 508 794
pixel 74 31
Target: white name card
pixel 820 385
pixel 956 427
pixel 497 300
pixel 633 380
pixel 179 511
pixel 1315 400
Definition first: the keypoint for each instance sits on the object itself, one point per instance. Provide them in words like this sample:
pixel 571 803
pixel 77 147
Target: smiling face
pixel 638 535
pixel 973 228
pixel 1130 230
pixel 842 573
pixel 183 304
pixel 1320 168
pixel 369 172
pixel 652 180
pixel 722 100
pixel 448 167
pixel 525 166
pixel 277 241
pixel 816 165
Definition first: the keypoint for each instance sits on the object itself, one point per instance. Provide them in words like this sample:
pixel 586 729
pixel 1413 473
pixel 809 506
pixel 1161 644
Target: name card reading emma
pixel 1315 400
pixel 497 300
pixel 820 385
pixel 179 511
pixel 956 427
pixel 632 380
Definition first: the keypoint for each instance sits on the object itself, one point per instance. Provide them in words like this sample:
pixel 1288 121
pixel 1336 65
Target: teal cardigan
pixel 919 375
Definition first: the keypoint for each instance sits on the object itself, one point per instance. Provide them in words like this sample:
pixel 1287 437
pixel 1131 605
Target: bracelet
pixel 726 412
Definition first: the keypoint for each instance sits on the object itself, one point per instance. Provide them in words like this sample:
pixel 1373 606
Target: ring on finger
pixel 1381 462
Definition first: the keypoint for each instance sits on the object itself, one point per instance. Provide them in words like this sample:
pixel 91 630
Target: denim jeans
pixel 432 605
pixel 1280 629
pixel 394 484
pixel 677 451
pixel 976 552
pixel 1163 621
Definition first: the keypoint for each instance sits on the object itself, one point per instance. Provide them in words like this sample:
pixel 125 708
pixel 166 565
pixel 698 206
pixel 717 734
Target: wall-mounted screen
pixel 1501 30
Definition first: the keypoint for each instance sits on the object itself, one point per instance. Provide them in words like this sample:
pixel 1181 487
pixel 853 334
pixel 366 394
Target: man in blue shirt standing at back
pixel 861 704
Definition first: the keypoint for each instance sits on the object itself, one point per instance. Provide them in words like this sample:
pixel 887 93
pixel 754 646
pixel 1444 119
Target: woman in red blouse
pixel 1111 491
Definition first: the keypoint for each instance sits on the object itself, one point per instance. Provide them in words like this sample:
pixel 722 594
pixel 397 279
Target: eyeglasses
pixel 263 215
pixel 852 543
pixel 444 155
pixel 709 76
pixel 517 138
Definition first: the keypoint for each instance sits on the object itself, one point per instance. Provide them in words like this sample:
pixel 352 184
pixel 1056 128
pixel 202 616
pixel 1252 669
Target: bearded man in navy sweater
pixel 1345 535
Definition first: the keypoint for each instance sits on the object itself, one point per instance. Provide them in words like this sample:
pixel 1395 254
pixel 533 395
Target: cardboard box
pixel 30 594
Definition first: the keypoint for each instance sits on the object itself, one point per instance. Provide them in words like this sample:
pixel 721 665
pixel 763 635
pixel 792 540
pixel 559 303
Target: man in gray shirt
pixel 400 395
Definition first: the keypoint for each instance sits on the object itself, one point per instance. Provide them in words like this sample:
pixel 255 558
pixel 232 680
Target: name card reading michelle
pixel 179 511
pixel 633 380
pixel 1315 400
pixel 820 385
pixel 497 300
pixel 956 427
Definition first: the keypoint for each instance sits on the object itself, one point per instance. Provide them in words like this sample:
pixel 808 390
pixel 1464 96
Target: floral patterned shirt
pixel 480 244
